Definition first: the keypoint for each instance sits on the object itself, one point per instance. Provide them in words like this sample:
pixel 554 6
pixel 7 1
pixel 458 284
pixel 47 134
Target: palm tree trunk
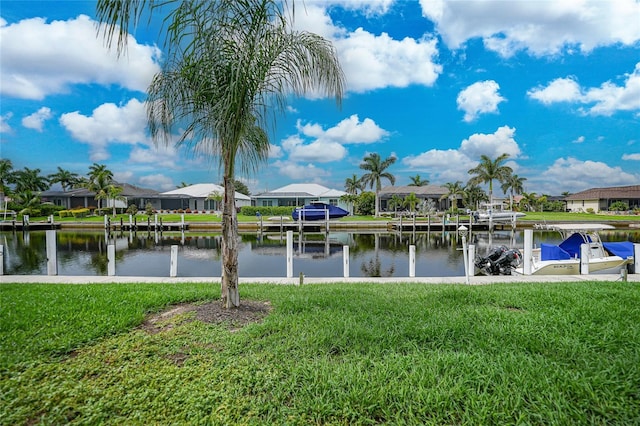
pixel 229 281
pixel 377 209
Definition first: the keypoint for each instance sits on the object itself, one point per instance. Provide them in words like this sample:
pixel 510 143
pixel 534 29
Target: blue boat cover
pixel 552 252
pixel 624 249
pixel 572 244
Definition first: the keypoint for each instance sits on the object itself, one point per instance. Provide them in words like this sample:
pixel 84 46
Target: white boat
pixel 564 258
pixel 495 213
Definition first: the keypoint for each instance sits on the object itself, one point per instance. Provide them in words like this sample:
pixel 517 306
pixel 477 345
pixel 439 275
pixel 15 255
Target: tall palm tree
pixel 230 64
pixel 376 171
pixel 30 180
pixel 99 181
pixel 66 178
pixel 514 184
pixel 114 192
pixel 489 170
pixel 352 185
pixel 418 181
pixel 454 190
pixel 473 195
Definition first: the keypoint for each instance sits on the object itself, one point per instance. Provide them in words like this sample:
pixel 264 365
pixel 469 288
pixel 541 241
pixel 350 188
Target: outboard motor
pixel 485 264
pixel 500 261
pixel 509 260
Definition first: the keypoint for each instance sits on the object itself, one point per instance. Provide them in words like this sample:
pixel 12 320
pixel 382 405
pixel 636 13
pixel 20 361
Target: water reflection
pixel 315 255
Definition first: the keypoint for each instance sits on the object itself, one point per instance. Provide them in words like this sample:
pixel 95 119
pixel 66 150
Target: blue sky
pixel 555 84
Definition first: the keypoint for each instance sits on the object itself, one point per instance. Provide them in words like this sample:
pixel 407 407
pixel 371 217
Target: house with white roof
pixel 200 197
pixel 299 194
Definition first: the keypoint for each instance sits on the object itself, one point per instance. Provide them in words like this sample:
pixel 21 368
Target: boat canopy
pixel 624 249
pixel 553 252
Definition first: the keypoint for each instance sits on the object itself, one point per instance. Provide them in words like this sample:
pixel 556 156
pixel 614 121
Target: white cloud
pixel 108 123
pixel 604 100
pixel 541 27
pixel 158 181
pixel 328 145
pixel 40 59
pixel 36 120
pixel 633 157
pixel 307 172
pixel 4 122
pixel 493 145
pixel 576 175
pixel 579 139
pixel 479 98
pixel 559 90
pixel 275 151
pixel 159 156
pixel 454 164
pixel 374 62
pixel 368 7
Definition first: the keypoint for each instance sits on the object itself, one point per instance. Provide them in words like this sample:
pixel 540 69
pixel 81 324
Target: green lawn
pixel 327 354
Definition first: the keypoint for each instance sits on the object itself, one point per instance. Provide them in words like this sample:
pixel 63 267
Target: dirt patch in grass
pixel 248 312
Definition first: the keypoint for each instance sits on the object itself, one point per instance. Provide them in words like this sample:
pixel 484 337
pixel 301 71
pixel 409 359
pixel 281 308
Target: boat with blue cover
pixel 565 258
pixel 318 211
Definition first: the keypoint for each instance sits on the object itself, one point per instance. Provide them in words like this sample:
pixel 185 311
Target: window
pixel 267 203
pixel 333 201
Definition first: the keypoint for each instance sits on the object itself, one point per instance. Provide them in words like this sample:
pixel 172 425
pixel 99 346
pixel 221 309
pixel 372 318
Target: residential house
pixel 600 199
pixel 198 197
pixel 427 193
pixel 299 194
pixel 83 198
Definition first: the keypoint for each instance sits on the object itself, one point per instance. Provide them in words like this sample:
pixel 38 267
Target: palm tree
pixel 29 180
pixel 229 65
pixel 417 181
pixel 530 200
pixel 352 185
pixel 114 192
pixel 411 201
pixel 99 181
pixel 489 170
pixel 376 167
pixel 66 178
pixel 514 184
pixel 454 190
pixel 395 201
pixel 28 200
pixel 473 195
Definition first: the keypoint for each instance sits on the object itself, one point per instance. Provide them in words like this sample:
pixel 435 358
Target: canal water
pixel 438 254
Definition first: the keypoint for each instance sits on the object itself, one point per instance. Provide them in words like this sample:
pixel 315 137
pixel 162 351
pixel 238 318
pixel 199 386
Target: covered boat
pixel 565 258
pixel 318 211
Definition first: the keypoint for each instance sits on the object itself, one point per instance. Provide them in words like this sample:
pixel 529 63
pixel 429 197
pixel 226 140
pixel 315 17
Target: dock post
pixel 289 254
pixel 636 258
pixel 528 250
pixel 130 222
pixel 345 261
pixel 106 221
pixel 472 259
pixel 173 268
pixel 111 258
pixel 584 259
pixel 1 260
pixel 412 261
pixel 52 255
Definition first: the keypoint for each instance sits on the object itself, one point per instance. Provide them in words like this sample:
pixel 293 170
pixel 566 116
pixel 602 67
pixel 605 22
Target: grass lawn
pixel 327 354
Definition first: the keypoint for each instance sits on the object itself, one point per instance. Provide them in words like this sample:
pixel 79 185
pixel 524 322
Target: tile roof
pixel 632 191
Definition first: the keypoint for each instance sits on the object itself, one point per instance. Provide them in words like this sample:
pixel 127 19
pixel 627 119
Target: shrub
pixel 148 209
pixel 132 209
pixel 590 210
pixel 619 206
pixel 267 210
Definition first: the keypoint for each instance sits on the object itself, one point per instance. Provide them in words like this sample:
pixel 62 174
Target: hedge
pixel 266 211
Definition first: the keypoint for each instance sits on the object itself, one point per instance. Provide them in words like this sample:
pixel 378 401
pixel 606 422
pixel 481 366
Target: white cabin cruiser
pixel 565 258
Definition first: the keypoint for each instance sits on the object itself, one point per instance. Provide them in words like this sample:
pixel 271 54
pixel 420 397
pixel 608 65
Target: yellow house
pixel 600 199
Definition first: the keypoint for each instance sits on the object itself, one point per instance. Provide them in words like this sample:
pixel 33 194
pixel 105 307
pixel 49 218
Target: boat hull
pixel 572 266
